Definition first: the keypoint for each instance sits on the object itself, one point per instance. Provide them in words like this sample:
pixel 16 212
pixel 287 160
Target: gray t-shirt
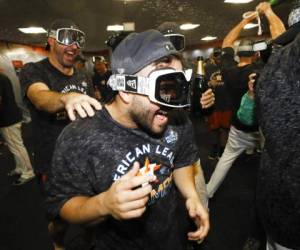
pixel 92 153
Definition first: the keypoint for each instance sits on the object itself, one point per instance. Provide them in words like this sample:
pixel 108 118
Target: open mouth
pixel 161 115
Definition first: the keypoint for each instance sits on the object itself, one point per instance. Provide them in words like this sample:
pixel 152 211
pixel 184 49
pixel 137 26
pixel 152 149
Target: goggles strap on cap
pixel 134 84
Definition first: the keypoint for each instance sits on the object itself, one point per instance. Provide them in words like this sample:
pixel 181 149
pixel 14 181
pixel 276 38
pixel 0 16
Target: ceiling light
pixel 238 1
pixel 129 26
pixel 32 30
pixel 250 26
pixel 209 38
pixel 116 27
pixel 189 26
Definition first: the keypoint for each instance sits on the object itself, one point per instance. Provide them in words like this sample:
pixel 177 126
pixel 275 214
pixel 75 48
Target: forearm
pixel 276 25
pixel 48 101
pixel 84 210
pixel 185 182
pixel 233 34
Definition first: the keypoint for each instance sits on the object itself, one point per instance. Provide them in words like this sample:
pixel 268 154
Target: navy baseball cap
pixel 138 50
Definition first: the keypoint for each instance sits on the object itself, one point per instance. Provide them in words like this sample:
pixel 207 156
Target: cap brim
pixel 289 35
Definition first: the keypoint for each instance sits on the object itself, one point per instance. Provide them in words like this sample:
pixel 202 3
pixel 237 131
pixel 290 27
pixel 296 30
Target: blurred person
pixel 219 117
pixel 241 136
pixel 127 160
pixel 100 78
pixel 79 63
pixel 56 94
pixel 277 99
pixel 10 128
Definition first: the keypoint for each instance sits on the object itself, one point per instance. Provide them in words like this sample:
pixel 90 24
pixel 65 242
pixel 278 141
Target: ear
pixel 51 41
pixel 126 97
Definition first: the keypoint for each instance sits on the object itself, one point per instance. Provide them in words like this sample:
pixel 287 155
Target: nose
pixel 74 45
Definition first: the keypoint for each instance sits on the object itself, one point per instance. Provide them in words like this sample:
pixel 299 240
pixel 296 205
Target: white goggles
pixel 167 87
pixel 68 36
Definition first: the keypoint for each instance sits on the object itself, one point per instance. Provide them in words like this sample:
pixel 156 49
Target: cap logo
pixel 131 83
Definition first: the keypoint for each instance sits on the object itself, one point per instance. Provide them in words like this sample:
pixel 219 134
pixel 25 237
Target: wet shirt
pixel 93 153
pixel 48 126
pixel 9 111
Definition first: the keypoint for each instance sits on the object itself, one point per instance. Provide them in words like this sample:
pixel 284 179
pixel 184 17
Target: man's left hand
pixel 207 99
pixel 200 216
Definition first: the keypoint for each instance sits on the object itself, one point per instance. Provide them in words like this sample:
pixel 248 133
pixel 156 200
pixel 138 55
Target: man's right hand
pixel 81 104
pixel 263 7
pixel 127 197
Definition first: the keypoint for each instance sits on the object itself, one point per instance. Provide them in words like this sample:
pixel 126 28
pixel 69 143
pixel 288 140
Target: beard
pixel 144 119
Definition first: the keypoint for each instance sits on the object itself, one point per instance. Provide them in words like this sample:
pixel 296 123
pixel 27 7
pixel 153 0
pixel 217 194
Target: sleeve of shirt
pixel 29 75
pixel 188 152
pixel 69 173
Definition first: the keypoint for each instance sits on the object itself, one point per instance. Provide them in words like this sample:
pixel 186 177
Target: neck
pixel 245 61
pixel 119 112
pixel 65 70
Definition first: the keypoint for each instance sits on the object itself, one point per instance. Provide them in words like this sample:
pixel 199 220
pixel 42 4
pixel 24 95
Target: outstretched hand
pixel 128 196
pixel 81 104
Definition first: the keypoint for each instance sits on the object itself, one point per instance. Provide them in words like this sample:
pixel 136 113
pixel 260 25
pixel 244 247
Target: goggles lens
pixel 69 36
pixel 172 89
pixel 177 40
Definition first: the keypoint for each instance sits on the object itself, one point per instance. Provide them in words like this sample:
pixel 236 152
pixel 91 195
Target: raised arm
pixel 232 36
pixel 275 24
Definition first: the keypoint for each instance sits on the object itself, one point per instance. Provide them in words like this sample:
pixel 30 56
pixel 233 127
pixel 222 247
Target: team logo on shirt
pixel 172 136
pixel 161 167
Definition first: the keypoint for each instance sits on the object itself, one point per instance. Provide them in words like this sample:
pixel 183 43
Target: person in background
pixel 56 94
pixel 128 170
pixel 100 78
pixel 10 128
pixel 242 136
pixel 79 63
pixel 220 116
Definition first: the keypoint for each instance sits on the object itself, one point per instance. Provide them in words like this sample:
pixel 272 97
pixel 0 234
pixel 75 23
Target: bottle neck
pixel 200 68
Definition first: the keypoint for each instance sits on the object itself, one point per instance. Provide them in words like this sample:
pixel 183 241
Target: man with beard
pixel 128 170
pixel 54 89
pixel 55 93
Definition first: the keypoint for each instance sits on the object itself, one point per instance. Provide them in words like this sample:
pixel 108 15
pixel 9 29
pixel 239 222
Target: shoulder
pixel 35 65
pixel 83 130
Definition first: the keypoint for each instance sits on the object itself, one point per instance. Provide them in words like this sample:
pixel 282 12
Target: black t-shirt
pixel 236 81
pixel 92 153
pixel 222 98
pixel 48 126
pixel 9 111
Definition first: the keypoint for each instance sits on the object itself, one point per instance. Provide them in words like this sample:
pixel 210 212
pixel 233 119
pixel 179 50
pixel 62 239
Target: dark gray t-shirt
pixel 47 126
pixel 92 153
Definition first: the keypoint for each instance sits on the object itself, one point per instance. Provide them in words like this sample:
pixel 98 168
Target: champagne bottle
pixel 200 79
pixel 200 85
